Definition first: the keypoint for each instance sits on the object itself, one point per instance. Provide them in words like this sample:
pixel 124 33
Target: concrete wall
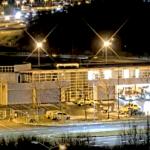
pixel 3 93
pixel 105 93
pixel 48 95
pixel 22 93
pixel 22 67
pixel 8 77
pixel 19 96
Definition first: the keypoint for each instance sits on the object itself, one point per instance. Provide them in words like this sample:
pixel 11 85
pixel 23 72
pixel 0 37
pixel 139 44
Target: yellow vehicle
pixel 129 108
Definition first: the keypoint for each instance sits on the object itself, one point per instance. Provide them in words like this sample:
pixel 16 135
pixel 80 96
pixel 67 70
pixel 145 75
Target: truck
pixel 57 115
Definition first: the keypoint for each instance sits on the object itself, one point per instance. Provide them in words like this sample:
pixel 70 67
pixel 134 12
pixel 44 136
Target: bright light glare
pixel 126 73
pixel 24 1
pixel 107 74
pixel 146 108
pixel 62 147
pixel 39 45
pixel 137 73
pixel 7 18
pixel 79 3
pixel 95 57
pixel 107 43
pixel 4 3
pixel 93 75
pixel 18 15
pixel 17 2
pixel 59 8
pixel 87 2
pixel 31 1
pixel 54 55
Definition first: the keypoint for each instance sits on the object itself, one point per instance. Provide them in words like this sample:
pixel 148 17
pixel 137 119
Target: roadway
pixel 56 132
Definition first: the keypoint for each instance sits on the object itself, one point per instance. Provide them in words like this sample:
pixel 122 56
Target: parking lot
pixel 34 114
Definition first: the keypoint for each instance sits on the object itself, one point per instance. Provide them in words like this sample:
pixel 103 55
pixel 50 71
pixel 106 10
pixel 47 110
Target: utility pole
pixel 35 102
pixel 107 94
pixel 60 98
pixel 59 89
pixel 85 112
pixel 118 94
pixel 104 85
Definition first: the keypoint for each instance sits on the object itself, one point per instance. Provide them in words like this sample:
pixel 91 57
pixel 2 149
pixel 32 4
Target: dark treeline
pixel 73 36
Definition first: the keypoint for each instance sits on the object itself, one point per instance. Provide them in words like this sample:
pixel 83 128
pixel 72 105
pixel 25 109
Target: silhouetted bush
pixel 136 137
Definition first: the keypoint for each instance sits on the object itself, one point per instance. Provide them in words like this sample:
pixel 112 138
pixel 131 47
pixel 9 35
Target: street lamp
pixel 17 3
pixel 39 46
pixel 38 49
pixel 118 96
pixel 106 45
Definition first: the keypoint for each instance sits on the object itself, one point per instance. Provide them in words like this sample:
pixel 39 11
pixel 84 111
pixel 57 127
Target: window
pixel 137 73
pixel 93 75
pixel 107 74
pixel 126 73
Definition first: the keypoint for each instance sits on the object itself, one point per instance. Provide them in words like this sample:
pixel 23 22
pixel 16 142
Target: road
pixel 55 132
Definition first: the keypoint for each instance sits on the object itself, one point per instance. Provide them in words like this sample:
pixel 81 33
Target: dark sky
pixel 73 36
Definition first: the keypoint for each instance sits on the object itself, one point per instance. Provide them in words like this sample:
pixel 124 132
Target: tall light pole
pixel 39 46
pixel 106 45
pixel 35 103
pixel 108 103
pixel 118 95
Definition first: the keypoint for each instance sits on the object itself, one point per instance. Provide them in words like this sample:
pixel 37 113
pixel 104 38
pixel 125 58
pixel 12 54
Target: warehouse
pixel 21 84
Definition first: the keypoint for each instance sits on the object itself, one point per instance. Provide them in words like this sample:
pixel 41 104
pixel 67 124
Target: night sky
pixel 73 36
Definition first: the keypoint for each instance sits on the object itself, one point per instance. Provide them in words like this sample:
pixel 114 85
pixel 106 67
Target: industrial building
pixel 21 84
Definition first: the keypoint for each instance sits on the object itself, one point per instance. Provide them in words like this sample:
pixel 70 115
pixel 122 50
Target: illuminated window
pixel 146 108
pixel 93 75
pixel 137 73
pixel 125 73
pixel 107 74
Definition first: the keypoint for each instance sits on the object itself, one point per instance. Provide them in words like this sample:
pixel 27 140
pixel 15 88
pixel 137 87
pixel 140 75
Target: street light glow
pixel 39 45
pixel 107 43
pixel 7 18
pixel 107 74
pixel 146 108
pixel 126 73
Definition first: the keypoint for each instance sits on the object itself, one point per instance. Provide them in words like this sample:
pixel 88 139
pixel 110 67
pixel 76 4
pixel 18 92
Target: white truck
pixel 57 115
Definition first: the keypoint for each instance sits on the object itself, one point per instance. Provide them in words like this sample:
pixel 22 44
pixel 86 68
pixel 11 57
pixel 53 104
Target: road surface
pixel 55 132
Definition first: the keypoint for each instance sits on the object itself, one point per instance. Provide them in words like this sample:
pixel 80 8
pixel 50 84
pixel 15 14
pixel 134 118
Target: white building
pixel 20 84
